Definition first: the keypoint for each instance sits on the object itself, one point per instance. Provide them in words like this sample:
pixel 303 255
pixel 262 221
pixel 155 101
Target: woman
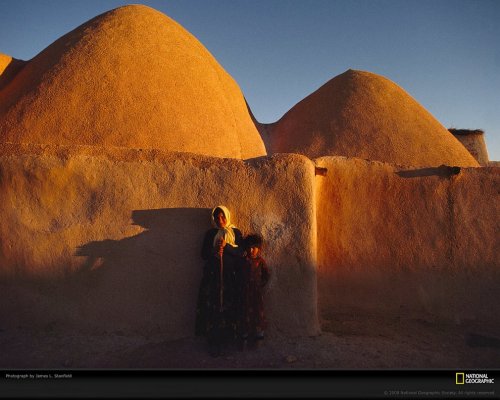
pixel 219 299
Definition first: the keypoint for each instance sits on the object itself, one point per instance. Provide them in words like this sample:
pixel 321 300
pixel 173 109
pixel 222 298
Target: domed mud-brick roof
pixel 130 77
pixel 8 68
pixel 361 114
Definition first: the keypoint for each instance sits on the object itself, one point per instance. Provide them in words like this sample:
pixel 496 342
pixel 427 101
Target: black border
pixel 246 383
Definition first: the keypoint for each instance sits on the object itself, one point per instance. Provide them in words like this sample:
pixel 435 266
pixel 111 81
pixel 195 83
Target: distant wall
pixel 424 240
pixel 110 238
pixel 473 141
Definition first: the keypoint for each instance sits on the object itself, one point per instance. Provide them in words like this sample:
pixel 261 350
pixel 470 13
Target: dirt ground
pixel 347 342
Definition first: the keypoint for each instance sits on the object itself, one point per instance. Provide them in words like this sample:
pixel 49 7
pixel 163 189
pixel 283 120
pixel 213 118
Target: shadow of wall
pixel 408 242
pixel 148 280
pixel 144 283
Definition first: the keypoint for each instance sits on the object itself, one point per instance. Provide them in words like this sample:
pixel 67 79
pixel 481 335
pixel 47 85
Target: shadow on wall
pixel 149 281
pixel 441 171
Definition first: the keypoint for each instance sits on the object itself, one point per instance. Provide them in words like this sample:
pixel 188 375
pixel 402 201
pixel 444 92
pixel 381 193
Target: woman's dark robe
pixel 216 322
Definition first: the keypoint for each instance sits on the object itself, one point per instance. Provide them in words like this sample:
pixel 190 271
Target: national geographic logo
pixel 461 378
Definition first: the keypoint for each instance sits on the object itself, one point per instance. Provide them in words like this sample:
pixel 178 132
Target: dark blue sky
pixel 445 53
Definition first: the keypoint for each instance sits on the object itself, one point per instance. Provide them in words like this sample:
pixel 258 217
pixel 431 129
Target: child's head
pixel 253 245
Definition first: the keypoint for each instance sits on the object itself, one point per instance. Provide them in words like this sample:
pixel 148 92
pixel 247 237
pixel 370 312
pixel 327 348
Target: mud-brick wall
pixel 473 141
pixel 111 238
pixel 393 240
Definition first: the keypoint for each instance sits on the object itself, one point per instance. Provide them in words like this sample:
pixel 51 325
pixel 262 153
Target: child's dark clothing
pixel 255 277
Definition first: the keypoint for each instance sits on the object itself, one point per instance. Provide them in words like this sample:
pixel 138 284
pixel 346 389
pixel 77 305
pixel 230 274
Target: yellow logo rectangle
pixel 460 378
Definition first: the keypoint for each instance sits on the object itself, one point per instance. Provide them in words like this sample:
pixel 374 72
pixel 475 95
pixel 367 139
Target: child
pixel 255 276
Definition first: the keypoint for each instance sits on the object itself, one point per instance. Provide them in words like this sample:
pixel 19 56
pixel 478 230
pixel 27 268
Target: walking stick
pixel 221 295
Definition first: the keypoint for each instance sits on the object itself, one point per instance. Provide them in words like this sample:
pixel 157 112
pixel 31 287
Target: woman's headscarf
pixel 226 233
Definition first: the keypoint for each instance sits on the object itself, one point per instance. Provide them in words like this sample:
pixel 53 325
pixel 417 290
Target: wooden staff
pixel 221 295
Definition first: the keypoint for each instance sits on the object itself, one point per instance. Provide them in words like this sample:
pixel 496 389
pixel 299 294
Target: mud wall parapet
pixel 393 240
pixel 112 237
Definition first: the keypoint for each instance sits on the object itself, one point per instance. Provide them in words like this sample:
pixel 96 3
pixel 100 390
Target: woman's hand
pixel 222 243
pixel 219 247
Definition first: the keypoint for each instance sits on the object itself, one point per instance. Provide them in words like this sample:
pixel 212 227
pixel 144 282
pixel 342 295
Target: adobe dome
pixel 361 114
pixel 130 77
pixel 8 68
pixel 4 62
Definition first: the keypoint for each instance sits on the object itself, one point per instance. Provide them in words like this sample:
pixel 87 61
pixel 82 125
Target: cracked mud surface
pixel 347 342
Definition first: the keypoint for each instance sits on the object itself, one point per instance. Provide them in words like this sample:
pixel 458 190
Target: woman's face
pixel 220 220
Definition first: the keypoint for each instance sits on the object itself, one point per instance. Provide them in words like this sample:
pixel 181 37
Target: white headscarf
pixel 226 233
